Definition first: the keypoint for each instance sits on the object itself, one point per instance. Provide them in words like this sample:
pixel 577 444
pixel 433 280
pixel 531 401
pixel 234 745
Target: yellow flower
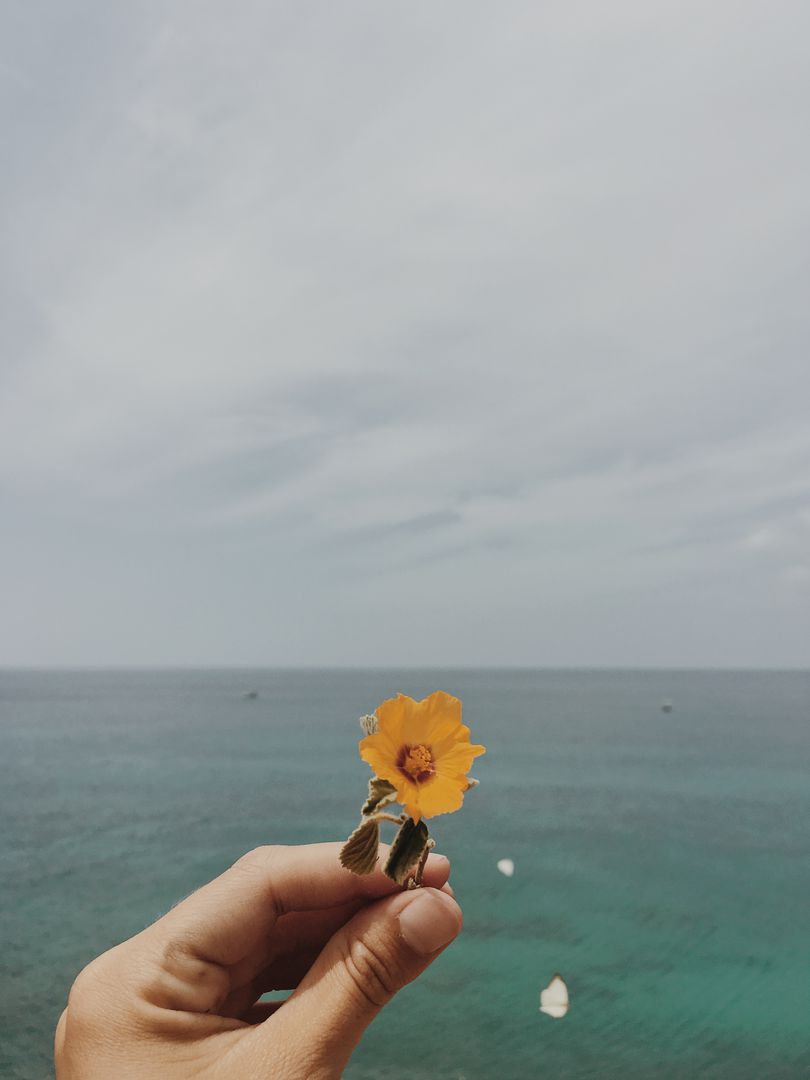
pixel 424 750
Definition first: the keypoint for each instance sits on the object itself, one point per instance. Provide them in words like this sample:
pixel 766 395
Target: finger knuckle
pixel 88 994
pixel 261 863
pixel 179 960
pixel 371 973
pixel 259 859
pixel 255 857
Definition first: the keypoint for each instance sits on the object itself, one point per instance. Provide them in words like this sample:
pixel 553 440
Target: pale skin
pixel 180 999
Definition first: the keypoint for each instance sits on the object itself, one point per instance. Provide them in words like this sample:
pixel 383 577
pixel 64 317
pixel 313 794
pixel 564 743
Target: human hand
pixel 180 999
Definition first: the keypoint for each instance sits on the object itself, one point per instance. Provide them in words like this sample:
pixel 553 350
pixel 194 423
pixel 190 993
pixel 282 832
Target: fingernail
pixel 436 859
pixel 429 922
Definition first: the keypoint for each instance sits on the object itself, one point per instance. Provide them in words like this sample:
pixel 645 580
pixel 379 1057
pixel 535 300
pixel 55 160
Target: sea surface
pixel 662 859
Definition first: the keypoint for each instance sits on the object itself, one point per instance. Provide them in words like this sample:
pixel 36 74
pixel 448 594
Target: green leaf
pixel 360 852
pixel 380 794
pixel 409 848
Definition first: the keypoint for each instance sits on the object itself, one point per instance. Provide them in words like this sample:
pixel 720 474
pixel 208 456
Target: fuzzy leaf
pixel 369 724
pixel 407 851
pixel 359 853
pixel 380 794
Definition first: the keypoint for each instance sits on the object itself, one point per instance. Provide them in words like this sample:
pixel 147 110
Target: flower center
pixel 416 762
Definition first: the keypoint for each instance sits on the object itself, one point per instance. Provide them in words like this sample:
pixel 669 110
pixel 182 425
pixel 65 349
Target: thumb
pixel 380 950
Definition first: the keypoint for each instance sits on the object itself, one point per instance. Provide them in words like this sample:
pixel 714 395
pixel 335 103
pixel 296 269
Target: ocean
pixel 662 858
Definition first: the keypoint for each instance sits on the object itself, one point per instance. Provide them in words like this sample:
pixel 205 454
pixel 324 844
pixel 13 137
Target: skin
pixel 180 999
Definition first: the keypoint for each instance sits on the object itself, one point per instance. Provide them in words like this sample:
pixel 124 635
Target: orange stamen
pixel 416 762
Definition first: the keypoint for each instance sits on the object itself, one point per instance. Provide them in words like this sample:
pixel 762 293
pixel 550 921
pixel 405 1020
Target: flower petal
pixel 394 715
pixel 380 757
pixel 434 718
pixel 457 759
pixel 441 795
pixel 458 734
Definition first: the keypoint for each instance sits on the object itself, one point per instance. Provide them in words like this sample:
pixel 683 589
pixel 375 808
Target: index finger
pixel 226 919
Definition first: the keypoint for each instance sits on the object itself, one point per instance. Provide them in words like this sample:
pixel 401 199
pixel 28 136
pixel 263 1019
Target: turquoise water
pixel 663 860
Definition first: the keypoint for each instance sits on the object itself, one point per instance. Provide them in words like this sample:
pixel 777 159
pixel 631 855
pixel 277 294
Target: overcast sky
pixel 407 333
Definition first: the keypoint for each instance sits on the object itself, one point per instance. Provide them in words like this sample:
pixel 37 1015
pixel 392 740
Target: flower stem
pixel 390 817
pixel 416 881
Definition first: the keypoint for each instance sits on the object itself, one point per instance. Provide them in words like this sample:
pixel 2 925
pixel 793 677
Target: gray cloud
pixel 321 318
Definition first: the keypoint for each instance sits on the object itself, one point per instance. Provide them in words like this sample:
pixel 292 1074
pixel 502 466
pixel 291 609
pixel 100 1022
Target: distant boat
pixel 666 706
pixel 250 695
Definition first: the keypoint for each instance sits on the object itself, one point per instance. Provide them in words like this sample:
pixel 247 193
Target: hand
pixel 180 999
